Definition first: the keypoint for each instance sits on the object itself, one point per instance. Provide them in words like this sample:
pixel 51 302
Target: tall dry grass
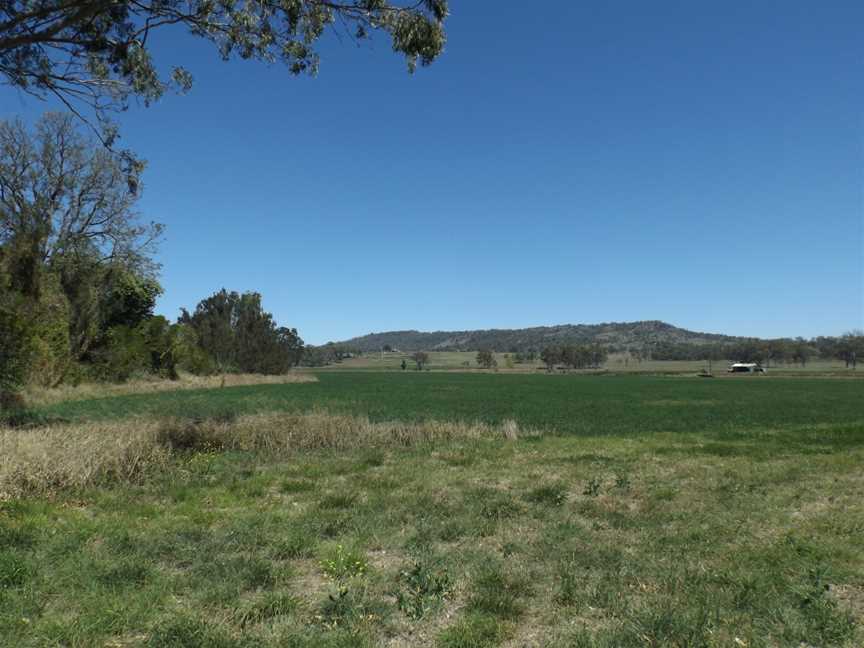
pixel 59 457
pixel 36 396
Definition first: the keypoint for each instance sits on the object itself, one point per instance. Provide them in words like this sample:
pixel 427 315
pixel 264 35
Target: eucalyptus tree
pixel 97 54
pixel 236 332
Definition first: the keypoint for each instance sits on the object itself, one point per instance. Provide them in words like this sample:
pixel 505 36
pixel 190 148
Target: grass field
pixel 455 510
pixel 566 404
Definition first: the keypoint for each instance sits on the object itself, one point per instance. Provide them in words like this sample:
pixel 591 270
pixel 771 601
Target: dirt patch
pixel 849 598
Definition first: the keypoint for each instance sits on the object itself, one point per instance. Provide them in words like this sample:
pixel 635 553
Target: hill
pixel 613 335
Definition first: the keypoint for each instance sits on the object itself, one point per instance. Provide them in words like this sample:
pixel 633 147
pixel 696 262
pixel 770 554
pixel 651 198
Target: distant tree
pixel 800 351
pixel 750 350
pixel 568 355
pixel 826 347
pixel 777 351
pixel 713 353
pixel 314 357
pixel 420 358
pixel 486 359
pixel 550 356
pixel 850 348
pixel 387 348
pixel 598 355
pixel 404 364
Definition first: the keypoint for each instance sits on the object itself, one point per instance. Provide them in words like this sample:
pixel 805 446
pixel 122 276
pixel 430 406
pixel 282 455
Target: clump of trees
pixel 75 265
pixel 78 284
pixel 486 359
pixel 848 348
pixel 235 334
pixel 583 356
pixel 330 353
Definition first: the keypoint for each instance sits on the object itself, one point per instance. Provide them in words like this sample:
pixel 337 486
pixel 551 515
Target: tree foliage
pixel 77 282
pixel 74 258
pixel 16 345
pixel 65 199
pixel 239 335
pixel 99 52
pixel 420 358
pixel 486 359
pixel 584 356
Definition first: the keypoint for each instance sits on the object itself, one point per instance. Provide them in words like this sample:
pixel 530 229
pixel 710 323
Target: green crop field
pixel 454 510
pixel 629 405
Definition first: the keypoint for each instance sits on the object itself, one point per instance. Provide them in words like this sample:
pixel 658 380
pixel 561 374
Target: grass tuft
pixel 422 589
pixel 548 495
pixel 474 631
pixel 499 593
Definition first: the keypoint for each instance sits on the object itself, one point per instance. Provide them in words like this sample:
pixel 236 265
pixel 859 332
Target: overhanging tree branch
pixel 94 55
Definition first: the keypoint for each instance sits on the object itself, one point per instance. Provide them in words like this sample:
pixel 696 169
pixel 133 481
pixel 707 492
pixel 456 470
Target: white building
pixel 746 367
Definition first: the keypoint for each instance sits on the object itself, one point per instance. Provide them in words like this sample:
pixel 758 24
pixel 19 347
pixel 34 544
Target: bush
pixel 17 343
pixel 123 355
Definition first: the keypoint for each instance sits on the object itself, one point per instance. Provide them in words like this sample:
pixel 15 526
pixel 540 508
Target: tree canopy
pixel 63 198
pixel 236 332
pixel 99 51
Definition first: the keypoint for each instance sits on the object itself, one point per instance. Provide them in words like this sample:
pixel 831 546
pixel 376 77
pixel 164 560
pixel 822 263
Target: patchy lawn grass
pixel 663 539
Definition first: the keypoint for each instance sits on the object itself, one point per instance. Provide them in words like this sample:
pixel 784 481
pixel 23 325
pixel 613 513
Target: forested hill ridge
pixel 612 335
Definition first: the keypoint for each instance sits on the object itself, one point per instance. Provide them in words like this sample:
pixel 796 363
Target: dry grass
pixel 69 456
pixel 53 458
pixel 36 396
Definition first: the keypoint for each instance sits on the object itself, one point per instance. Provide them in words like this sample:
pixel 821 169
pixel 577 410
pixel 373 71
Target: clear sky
pixel 563 162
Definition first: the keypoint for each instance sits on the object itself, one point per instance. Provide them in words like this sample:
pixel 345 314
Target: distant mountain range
pixel 613 335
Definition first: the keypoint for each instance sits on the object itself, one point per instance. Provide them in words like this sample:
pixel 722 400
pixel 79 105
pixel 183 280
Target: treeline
pixel 582 356
pixel 847 348
pixel 78 283
pixel 326 354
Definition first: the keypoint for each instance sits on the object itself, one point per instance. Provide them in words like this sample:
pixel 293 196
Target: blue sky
pixel 699 163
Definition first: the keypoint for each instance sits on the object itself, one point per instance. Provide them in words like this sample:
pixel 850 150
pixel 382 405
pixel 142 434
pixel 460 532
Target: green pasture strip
pixel 587 405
